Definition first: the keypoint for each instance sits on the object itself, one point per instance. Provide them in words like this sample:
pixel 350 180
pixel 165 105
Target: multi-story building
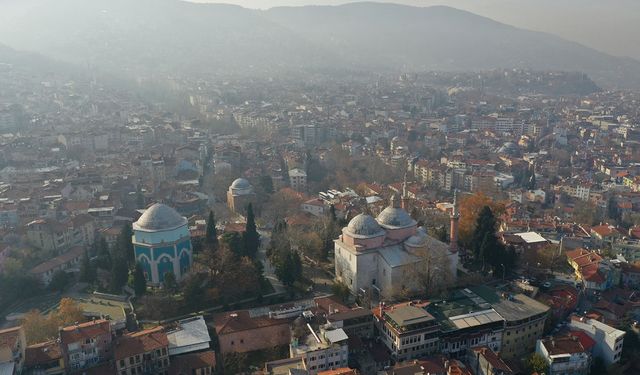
pixel 407 330
pixel 143 352
pixel 608 340
pixel 12 350
pixel 356 322
pixel 44 358
pixel 86 345
pixel 564 355
pixel 55 236
pixel 298 179
pixel 524 320
pixel 320 351
pixel 67 262
pixel 485 361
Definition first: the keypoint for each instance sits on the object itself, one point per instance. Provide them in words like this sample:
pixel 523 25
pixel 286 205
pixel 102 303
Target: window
pixel 122 363
pixel 130 360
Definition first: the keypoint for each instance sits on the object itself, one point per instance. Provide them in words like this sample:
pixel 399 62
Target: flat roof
pixel 407 315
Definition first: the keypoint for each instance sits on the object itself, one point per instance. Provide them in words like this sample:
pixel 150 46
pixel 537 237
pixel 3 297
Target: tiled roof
pixel 140 342
pixel 187 363
pixel 83 331
pixel 8 337
pixel 64 258
pixel 42 353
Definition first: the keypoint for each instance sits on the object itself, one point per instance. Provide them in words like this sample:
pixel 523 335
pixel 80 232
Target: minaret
pixel 455 216
pixel 404 201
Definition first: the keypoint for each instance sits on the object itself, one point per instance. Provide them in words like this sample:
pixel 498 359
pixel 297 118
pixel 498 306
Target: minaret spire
pixel 455 217
pixel 404 201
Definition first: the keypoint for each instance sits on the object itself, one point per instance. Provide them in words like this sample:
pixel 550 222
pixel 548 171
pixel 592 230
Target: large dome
pixel 395 217
pixel 160 217
pixel 240 183
pixel 363 225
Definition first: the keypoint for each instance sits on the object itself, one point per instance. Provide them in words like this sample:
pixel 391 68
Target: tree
pixel 59 281
pixel 532 179
pixel 119 275
pixel 69 312
pixel 193 292
pixel 211 235
pixel 234 242
pixel 140 200
pixel 102 252
pixel 340 290
pixel 266 182
pixel 139 281
pixel 87 272
pixel 124 245
pixel 289 268
pixel 537 363
pixel 38 327
pixel 470 207
pixel 169 282
pixel 251 237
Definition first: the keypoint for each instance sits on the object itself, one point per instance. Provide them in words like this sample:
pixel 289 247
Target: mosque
pixel 162 243
pixel 383 255
pixel 239 195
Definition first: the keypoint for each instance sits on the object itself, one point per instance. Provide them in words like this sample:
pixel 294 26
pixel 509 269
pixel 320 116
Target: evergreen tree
pixel 233 241
pixel 124 246
pixel 267 184
pixel 193 292
pixel 140 200
pixel 532 179
pixel 332 214
pixel 251 236
pixel 119 275
pixel 485 224
pixel 102 252
pixel 139 281
pixel 87 273
pixel 211 235
pixel 289 268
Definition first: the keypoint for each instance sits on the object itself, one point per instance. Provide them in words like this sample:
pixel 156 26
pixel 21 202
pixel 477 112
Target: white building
pixel 321 351
pixel 390 254
pixel 565 356
pixel 608 340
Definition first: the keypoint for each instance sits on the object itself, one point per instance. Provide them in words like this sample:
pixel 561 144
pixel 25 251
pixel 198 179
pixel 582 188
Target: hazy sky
pixel 611 26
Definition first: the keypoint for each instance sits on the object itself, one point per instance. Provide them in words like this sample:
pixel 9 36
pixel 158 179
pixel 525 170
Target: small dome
pixel 160 217
pixel 417 239
pixel 363 225
pixel 240 183
pixel 395 217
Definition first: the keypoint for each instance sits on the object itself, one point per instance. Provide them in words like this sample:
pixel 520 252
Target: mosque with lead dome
pixel 162 244
pixel 380 255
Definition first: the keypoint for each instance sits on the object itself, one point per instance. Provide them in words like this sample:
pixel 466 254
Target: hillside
pixel 147 37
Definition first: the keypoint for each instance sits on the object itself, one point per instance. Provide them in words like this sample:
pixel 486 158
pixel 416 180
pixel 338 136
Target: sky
pixel 611 26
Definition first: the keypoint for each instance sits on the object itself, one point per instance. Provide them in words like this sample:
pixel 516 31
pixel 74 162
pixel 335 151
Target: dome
pixel 160 217
pixel 240 183
pixel 395 217
pixel 364 225
pixel 417 239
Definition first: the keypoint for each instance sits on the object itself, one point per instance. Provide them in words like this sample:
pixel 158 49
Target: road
pixel 269 269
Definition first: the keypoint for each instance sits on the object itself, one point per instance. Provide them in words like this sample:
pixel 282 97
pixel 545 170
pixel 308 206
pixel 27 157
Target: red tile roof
pixel 42 353
pixel 86 330
pixel 187 363
pixel 587 342
pixel 8 337
pixel 140 342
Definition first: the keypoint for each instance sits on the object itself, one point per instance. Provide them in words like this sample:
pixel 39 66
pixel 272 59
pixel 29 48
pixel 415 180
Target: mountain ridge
pixel 159 37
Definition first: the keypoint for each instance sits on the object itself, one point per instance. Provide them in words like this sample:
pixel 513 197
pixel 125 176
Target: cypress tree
pixel 139 281
pixel 211 235
pixel 251 235
pixel 87 274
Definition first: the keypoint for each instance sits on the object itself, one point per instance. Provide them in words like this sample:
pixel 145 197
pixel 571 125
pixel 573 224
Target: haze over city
pixel 323 187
